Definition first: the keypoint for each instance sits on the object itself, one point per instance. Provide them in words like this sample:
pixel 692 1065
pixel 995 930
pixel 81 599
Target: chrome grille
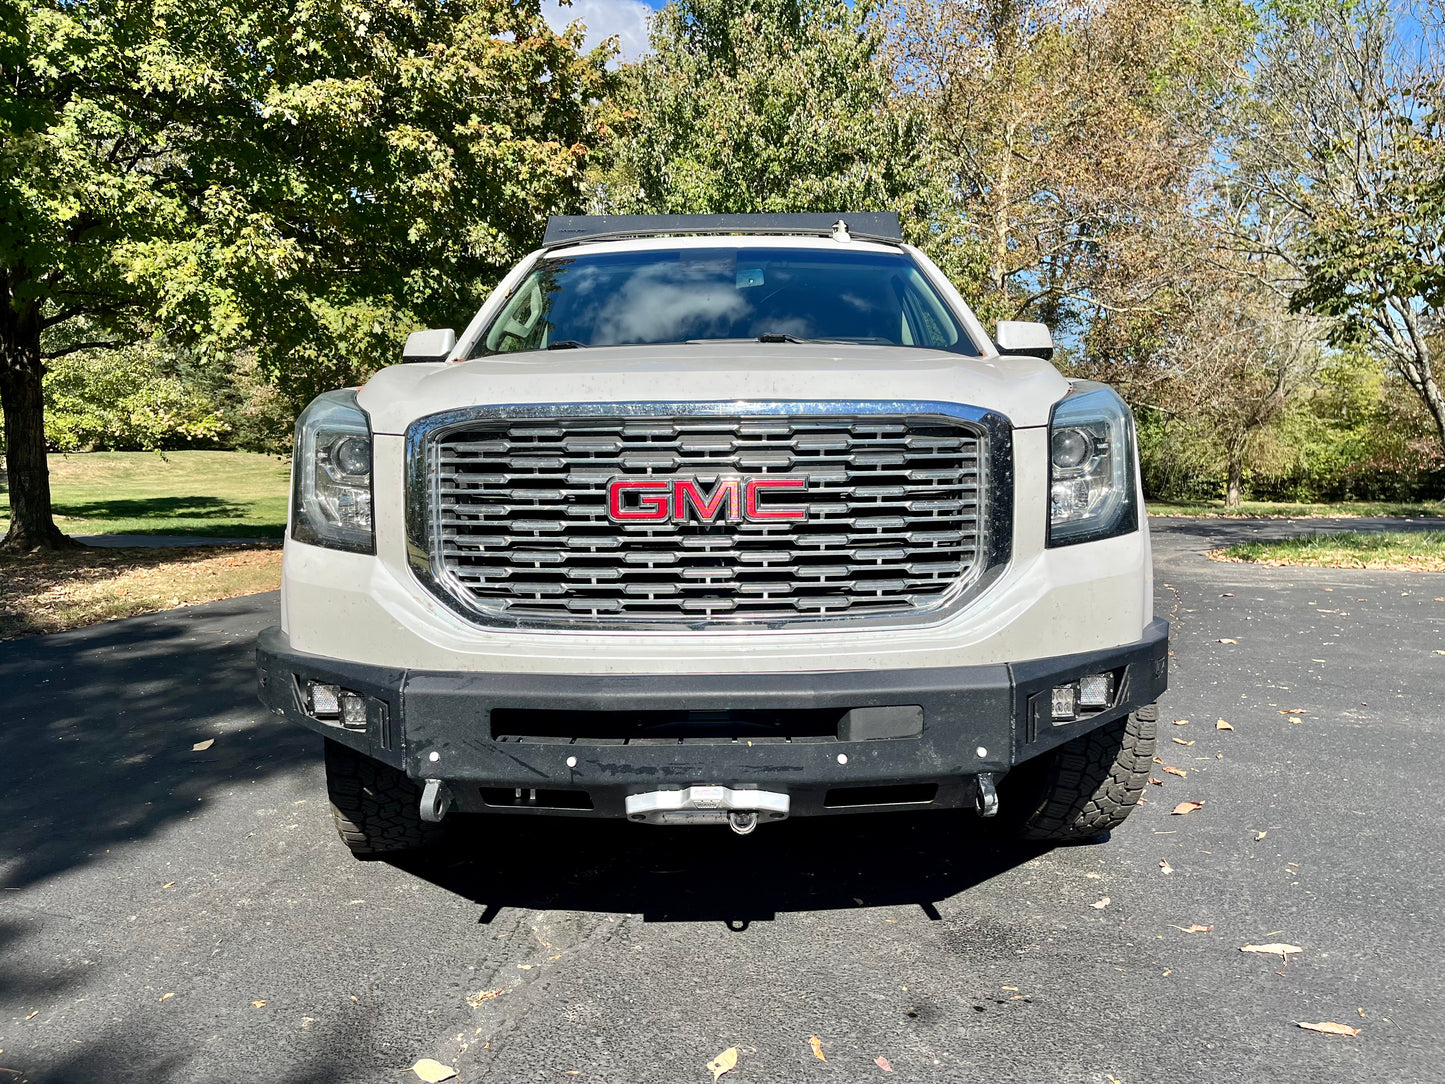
pixel 517 529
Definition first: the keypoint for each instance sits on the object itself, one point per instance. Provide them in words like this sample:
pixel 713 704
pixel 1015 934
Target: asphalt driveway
pixel 178 914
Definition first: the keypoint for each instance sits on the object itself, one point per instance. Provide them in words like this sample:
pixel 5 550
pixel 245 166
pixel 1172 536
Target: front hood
pixel 1020 388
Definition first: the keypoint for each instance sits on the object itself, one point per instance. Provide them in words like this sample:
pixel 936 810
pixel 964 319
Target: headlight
pixel 331 502
pixel 1091 467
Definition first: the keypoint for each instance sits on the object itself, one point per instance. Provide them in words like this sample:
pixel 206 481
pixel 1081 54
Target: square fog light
pixel 325 700
pixel 353 711
pixel 1066 701
pixel 1096 690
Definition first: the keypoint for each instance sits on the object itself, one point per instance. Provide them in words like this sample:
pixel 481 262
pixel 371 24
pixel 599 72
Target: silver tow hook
pixel 436 801
pixel 986 795
pixel 743 821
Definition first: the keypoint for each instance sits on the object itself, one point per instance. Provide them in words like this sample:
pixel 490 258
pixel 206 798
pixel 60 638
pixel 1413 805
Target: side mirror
pixel 433 345
pixel 1024 337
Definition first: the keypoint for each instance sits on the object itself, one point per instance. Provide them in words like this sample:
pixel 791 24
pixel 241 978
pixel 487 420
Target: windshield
pixel 712 294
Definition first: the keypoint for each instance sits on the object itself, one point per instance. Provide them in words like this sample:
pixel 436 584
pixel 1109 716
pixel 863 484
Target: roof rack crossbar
pixel 862 225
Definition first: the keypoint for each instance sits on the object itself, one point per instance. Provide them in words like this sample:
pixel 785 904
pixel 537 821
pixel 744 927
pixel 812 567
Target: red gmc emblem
pixel 677 500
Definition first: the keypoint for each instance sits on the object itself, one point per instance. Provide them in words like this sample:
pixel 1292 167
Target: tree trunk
pixel 27 472
pixel 1234 487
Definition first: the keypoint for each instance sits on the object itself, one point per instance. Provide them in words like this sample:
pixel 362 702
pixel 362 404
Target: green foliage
pixel 307 178
pixel 122 400
pixel 765 105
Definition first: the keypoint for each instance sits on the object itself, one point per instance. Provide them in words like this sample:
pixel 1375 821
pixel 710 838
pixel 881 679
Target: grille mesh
pixel 520 530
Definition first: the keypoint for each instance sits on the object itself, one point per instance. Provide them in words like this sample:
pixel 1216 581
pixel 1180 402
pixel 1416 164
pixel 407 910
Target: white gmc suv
pixel 720 519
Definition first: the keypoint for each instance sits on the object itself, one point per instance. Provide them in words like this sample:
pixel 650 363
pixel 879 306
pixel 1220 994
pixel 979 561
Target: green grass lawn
pixel 1276 508
pixel 217 494
pixel 1414 551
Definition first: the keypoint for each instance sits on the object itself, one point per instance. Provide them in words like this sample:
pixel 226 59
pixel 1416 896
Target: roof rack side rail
pixel 861 225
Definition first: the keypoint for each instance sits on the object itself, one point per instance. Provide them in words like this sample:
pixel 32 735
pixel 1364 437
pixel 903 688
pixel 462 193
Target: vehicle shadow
pixel 708 874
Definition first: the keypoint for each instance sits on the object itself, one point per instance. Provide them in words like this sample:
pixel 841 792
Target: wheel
pixel 1086 786
pixel 377 809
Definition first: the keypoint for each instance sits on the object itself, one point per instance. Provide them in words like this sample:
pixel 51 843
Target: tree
pixel 1339 172
pixel 307 178
pixel 1073 134
pixel 765 105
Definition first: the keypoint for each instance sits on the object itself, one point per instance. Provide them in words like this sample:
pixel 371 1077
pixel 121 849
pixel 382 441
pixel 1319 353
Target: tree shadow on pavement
pixel 706 873
pixel 97 727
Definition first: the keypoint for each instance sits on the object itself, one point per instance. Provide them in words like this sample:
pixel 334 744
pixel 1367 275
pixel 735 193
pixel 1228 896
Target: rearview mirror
pixel 1024 337
pixel 431 345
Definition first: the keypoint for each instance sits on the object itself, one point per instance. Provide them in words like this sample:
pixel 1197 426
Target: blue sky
pixel 625 18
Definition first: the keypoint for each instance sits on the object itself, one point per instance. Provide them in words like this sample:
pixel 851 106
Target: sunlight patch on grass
pixel 1287 510
pixel 1406 551
pixel 215 494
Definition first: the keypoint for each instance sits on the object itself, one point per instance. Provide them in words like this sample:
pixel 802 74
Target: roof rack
pixel 861 225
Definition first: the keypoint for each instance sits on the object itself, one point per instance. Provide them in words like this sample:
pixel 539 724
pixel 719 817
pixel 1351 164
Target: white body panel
pixel 1048 602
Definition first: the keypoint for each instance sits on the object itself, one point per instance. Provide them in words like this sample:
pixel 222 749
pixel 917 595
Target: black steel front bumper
pixel 949 724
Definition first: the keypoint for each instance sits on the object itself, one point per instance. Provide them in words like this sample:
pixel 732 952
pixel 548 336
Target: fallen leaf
pixel 1164 866
pixel 1180 772
pixel 1158 761
pixel 1331 1028
pixel 1184 808
pixel 433 1071
pixel 1181 741
pixel 1181 722
pixel 33 1015
pixel 1282 951
pixel 1438 653
pixel 166 997
pixel 1194 927
pixel 1156 782
pixel 725 1062
pixel 1101 904
pixel 1291 711
pixel 259 1003
pixel 884 1064
pixel 1222 725
pixel 1260 835
pixel 203 745
pixel 817 1045
pixel 169 884
pixel 1228 641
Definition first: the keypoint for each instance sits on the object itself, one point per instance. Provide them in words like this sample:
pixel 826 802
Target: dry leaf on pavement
pixel 1282 951
pixel 817 1045
pixel 1180 772
pixel 1291 711
pixel 1184 808
pixel 1181 722
pixel 1260 835
pixel 433 1072
pixel 201 746
pixel 1156 782
pixel 259 1003
pixel 1226 640
pixel 1194 927
pixel 884 1064
pixel 725 1062
pixel 1222 725
pixel 1330 1028
pixel 1101 904
pixel 1181 741
pixel 1164 866
pixel 166 997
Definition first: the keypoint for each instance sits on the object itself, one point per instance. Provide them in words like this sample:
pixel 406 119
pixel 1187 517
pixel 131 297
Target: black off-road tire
pixel 1087 786
pixel 377 809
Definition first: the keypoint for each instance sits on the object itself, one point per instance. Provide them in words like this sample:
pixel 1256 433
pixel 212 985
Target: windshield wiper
pixel 566 344
pixel 780 337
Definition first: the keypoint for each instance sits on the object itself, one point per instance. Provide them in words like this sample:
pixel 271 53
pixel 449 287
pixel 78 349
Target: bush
pixel 122 400
pixel 148 398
